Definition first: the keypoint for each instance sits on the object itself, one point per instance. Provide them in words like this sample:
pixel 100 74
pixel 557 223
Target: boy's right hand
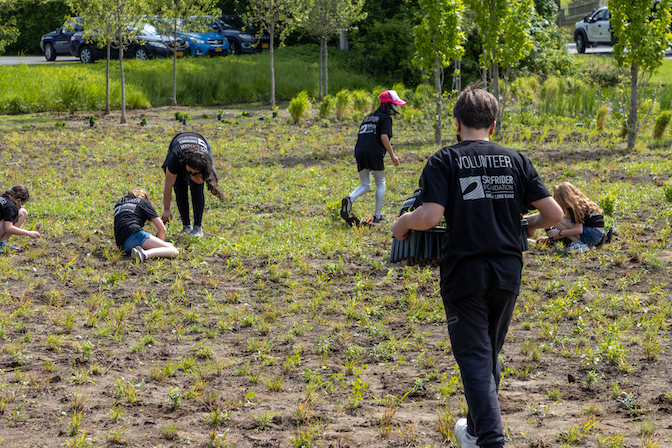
pixel 166 216
pixel 34 234
pixel 395 160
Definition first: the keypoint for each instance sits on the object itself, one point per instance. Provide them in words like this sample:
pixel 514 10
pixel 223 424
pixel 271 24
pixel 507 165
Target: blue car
pixel 206 44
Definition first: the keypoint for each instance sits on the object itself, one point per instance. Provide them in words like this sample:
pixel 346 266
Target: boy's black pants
pixel 182 199
pixel 477 324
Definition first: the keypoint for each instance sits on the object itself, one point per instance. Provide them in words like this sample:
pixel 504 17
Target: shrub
pixel 343 101
pixel 361 100
pixel 667 192
pixel 298 106
pixel 607 205
pixel 327 106
pixel 602 115
pixel 661 123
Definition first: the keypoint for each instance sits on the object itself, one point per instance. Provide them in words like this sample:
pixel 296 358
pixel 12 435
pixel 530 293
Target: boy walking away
pixel 480 187
pixel 130 214
pixel 373 142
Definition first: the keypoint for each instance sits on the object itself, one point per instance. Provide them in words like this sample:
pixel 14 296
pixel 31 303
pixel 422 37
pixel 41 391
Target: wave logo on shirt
pixel 472 188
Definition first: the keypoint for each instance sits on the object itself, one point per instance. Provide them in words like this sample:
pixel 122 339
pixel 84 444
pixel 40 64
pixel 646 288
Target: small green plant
pixel 218 417
pixel 264 419
pixel 170 431
pixel 92 120
pixel 298 106
pixel 175 397
pixel 116 436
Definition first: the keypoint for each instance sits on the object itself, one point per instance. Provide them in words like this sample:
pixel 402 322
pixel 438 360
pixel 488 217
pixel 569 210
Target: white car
pixel 594 30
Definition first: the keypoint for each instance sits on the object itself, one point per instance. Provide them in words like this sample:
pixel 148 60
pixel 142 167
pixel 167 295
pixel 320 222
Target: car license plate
pixel 264 45
pixel 218 48
pixel 179 53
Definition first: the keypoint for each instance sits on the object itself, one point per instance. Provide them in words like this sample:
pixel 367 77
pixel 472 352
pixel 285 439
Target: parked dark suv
pixel 57 43
pixel 240 42
pixel 237 25
pixel 149 44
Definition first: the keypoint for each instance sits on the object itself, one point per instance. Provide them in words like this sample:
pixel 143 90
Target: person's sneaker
pixel 577 247
pixel 462 437
pixel 196 232
pixel 139 254
pixel 186 230
pixel 376 221
pixel 346 208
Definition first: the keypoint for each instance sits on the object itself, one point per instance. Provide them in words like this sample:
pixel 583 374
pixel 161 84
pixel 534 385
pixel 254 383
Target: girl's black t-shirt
pixel 589 219
pixel 9 210
pixel 180 141
pixel 483 187
pixel 130 216
pixel 369 150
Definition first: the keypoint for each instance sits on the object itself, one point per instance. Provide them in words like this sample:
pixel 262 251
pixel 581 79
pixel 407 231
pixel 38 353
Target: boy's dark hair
pixel 386 108
pixel 201 161
pixel 18 192
pixel 476 108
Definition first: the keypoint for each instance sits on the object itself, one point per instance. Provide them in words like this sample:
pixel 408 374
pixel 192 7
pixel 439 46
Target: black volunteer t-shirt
pixel 9 210
pixel 369 150
pixel 180 141
pixel 483 187
pixel 130 215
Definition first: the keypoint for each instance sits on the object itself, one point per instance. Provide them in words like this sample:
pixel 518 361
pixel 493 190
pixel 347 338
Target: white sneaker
pixel 577 247
pixel 139 254
pixel 463 438
pixel 186 231
pixel 196 232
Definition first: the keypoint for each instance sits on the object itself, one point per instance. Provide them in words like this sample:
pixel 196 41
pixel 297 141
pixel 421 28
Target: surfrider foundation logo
pixel 472 188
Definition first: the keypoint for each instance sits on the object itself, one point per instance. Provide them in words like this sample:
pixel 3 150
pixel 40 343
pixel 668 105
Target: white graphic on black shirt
pixel 472 188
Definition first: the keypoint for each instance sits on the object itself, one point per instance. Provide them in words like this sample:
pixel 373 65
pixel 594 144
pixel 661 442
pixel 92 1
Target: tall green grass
pixel 200 81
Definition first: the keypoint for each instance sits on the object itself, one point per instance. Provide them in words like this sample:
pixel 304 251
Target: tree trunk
pixel 270 47
pixel 321 61
pixel 107 79
pixel 326 68
pixel 632 116
pixel 123 87
pixel 438 96
pixel 175 65
pixel 495 91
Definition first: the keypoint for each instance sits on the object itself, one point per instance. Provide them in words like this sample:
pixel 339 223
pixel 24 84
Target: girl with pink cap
pixel 373 142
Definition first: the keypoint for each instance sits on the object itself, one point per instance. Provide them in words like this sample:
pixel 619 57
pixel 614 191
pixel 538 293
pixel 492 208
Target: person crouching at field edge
pixel 130 214
pixel 13 215
pixel 482 266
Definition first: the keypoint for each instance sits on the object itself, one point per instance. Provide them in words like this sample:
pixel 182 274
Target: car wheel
pixel 141 53
pixel 86 55
pixel 580 43
pixel 49 52
pixel 234 46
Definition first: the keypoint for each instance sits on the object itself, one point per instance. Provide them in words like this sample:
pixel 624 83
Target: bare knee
pixel 23 215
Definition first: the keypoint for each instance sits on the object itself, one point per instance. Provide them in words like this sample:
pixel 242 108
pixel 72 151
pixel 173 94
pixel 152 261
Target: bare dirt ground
pixel 343 357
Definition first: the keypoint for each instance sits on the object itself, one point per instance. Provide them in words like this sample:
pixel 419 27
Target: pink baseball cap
pixel 391 96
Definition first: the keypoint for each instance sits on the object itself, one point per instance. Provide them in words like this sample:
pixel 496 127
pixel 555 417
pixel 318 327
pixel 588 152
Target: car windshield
pixel 148 30
pixel 237 23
